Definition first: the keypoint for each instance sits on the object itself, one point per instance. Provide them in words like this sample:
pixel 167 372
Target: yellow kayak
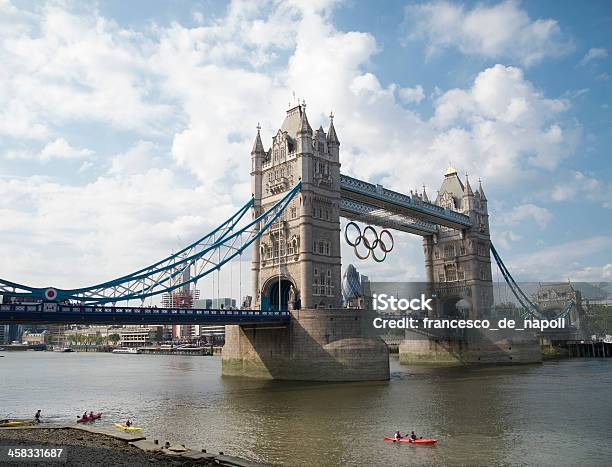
pixel 5 423
pixel 128 428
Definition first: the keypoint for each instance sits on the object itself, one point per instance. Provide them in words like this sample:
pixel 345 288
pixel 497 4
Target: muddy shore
pixel 87 448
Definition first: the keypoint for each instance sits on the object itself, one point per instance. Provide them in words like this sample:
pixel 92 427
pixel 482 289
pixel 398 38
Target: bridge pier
pixel 477 347
pixel 317 345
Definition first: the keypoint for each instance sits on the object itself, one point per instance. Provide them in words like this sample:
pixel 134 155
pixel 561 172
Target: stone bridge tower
pixel 458 268
pixel 297 264
pixel 458 263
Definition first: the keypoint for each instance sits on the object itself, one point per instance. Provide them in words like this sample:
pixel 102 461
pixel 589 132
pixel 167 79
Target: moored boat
pixel 128 428
pixel 125 350
pixel 9 422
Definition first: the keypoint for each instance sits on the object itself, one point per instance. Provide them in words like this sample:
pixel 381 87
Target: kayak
pixel 7 423
pixel 128 428
pixel 89 418
pixel 410 441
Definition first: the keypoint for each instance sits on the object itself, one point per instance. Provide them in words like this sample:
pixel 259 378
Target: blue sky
pixel 125 127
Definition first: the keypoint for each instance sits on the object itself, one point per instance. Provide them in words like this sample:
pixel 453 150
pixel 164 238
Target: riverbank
pixel 154 350
pixel 90 446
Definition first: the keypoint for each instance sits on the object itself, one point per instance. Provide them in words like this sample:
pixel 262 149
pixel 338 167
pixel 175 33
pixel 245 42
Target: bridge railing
pixel 83 310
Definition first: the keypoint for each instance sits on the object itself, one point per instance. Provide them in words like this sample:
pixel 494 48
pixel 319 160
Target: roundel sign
pixel 51 294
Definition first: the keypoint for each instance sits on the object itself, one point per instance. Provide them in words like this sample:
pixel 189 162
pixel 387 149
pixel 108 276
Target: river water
pixel 557 413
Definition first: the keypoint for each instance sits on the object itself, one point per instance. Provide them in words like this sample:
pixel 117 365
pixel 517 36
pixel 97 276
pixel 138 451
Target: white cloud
pixel 592 273
pixel 563 260
pixel 75 68
pixel 502 30
pixel 60 149
pixel 410 95
pixel 596 53
pixel 506 238
pixel 579 186
pixel 541 216
pixel 136 160
pixel 18 122
pixel 502 124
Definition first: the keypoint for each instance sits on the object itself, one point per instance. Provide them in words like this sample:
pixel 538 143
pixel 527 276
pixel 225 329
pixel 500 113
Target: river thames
pixel 556 413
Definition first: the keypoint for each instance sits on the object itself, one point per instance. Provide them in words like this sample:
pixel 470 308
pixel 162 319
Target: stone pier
pixel 317 345
pixel 477 347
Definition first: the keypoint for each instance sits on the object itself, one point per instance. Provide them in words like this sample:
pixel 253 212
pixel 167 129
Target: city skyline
pixel 112 125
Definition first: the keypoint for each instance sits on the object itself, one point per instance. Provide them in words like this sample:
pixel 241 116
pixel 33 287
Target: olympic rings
pixel 383 244
pixel 358 238
pixel 369 242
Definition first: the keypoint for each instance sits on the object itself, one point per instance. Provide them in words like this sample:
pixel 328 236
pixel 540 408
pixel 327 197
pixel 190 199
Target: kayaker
pixel 37 416
pixel 91 414
pixel 128 423
pixel 84 417
pixel 398 436
pixel 413 436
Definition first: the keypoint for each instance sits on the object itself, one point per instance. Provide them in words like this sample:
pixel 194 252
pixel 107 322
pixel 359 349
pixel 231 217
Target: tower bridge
pixel 299 196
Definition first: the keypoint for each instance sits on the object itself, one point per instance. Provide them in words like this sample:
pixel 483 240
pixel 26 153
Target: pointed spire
pixel 258 145
pixel 467 189
pixel 425 197
pixel 332 137
pixel 482 195
pixel 304 125
pixel 450 170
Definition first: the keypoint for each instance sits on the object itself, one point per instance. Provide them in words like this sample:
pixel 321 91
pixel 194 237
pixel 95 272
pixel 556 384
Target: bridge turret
pixel 468 196
pixel 258 157
pixel 483 210
pixel 425 197
pixel 258 154
pixel 333 143
pixel 304 133
pixel 483 198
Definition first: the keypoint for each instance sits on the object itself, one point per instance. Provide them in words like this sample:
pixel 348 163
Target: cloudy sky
pixel 126 127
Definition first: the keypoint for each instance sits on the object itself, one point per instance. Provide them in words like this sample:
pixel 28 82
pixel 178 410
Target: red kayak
pixel 411 441
pixel 89 418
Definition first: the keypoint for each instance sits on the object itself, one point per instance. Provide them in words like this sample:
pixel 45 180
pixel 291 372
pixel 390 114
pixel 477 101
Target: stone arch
pixel 289 296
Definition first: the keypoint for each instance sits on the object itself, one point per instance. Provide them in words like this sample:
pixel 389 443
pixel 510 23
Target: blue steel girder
pixel 373 215
pixel 530 309
pixel 393 202
pixel 199 259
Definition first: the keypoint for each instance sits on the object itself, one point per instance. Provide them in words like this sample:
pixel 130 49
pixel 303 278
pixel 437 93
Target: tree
pixel 48 338
pixel 599 320
pixel 114 338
